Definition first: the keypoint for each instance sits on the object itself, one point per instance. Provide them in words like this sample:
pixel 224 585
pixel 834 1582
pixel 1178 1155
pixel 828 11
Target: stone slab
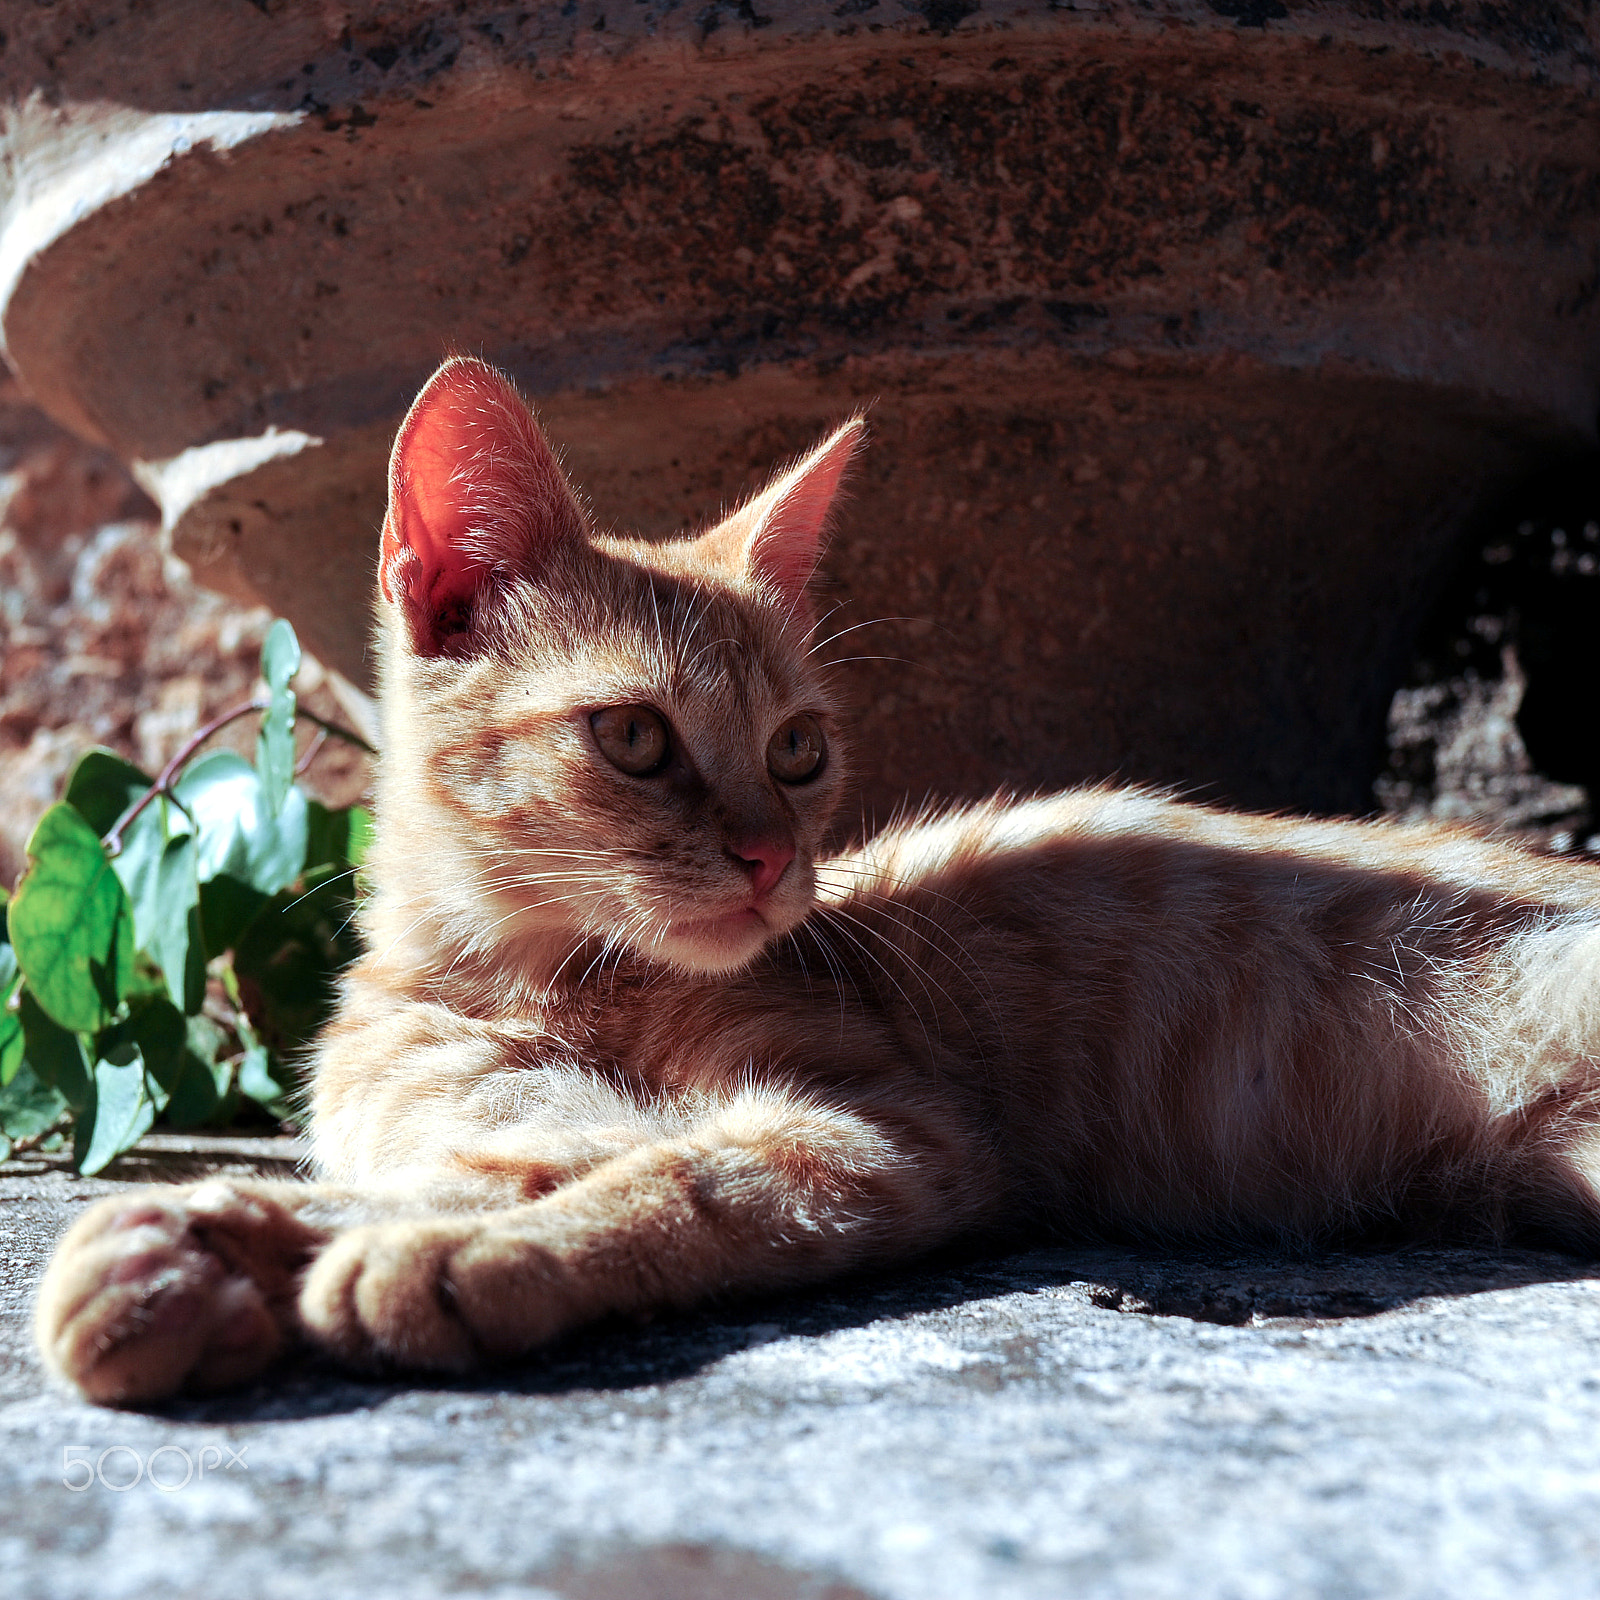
pixel 1191 331
pixel 1084 1422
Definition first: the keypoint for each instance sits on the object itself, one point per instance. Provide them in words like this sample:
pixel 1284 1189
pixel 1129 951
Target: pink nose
pixel 764 860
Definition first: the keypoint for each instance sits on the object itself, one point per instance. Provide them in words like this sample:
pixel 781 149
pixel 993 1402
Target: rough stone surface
pixel 1084 1422
pixel 1190 328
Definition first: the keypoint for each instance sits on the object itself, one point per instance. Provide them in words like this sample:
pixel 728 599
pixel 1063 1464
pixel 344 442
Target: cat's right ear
pixel 777 538
pixel 476 496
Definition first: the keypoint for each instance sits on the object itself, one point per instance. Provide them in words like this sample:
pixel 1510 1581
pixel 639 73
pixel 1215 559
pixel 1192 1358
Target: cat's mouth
pixel 718 943
pixel 713 936
pixel 746 920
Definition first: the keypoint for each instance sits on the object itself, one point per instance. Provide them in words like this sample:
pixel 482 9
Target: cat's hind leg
pixel 1557 1195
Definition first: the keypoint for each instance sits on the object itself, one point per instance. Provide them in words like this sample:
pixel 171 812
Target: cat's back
pixel 1130 850
pixel 1130 925
pixel 1164 1001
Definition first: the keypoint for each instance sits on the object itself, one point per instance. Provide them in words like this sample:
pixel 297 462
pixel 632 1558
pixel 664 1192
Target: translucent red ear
pixel 475 495
pixel 790 519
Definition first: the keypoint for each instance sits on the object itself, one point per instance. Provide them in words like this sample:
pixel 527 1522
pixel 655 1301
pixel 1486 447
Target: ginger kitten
pixel 625 1039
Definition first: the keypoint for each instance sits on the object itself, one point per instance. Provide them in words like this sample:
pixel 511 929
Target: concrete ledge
pixel 1058 1422
pixel 1191 329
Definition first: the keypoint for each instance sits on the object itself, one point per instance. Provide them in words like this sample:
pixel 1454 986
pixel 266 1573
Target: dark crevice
pixel 1497 720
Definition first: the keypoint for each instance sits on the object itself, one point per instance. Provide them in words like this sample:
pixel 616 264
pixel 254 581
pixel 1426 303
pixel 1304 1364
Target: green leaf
pixel 208 1041
pixel 12 1050
pixel 192 1097
pixel 280 660
pixel 102 786
pixel 70 924
pixel 238 832
pixel 227 908
pixel 195 1090
pixel 360 837
pixel 337 838
pixel 57 1056
pixel 257 1082
pixel 194 968
pixel 157 1028
pixel 10 1022
pixel 205 1055
pixel 121 1114
pixel 159 867
pixel 147 978
pixel 286 961
pixel 327 834
pixel 280 655
pixel 29 1105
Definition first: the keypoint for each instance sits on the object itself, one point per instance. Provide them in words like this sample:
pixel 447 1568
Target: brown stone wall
pixel 1190 330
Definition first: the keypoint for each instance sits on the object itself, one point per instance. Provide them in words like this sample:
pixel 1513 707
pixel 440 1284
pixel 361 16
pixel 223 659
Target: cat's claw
pixel 174 1289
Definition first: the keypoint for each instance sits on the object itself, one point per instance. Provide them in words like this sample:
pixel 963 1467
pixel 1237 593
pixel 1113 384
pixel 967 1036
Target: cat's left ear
pixel 781 533
pixel 475 495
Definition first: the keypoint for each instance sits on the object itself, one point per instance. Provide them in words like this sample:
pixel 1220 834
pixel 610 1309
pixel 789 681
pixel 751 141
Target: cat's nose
pixel 764 860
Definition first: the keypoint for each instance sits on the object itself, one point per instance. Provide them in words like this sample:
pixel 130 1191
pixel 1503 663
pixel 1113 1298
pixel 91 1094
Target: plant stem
pixel 164 779
pixel 333 728
pixel 303 765
pixel 168 774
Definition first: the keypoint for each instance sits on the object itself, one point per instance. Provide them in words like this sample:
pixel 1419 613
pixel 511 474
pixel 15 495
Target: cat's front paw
pixel 171 1289
pixel 439 1295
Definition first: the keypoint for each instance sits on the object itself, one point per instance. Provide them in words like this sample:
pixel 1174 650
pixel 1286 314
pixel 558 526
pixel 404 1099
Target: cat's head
pixel 591 738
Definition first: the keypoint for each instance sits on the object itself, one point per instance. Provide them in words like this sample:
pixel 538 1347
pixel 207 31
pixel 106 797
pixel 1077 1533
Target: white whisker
pixel 867 951
pixel 855 627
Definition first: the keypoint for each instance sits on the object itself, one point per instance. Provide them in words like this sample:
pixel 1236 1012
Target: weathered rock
pixel 1189 327
pixel 1094 1423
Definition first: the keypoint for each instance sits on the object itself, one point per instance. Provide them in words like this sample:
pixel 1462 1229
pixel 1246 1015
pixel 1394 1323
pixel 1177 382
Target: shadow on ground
pixel 1230 1289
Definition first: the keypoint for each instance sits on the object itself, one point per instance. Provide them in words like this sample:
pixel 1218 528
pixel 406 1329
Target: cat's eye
pixel 633 739
pixel 797 751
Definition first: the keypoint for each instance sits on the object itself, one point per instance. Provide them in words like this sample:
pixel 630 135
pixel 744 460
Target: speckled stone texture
pixel 1092 1423
pixel 1191 329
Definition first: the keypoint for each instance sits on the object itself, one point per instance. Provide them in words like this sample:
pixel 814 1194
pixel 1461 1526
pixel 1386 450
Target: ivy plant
pixel 170 948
